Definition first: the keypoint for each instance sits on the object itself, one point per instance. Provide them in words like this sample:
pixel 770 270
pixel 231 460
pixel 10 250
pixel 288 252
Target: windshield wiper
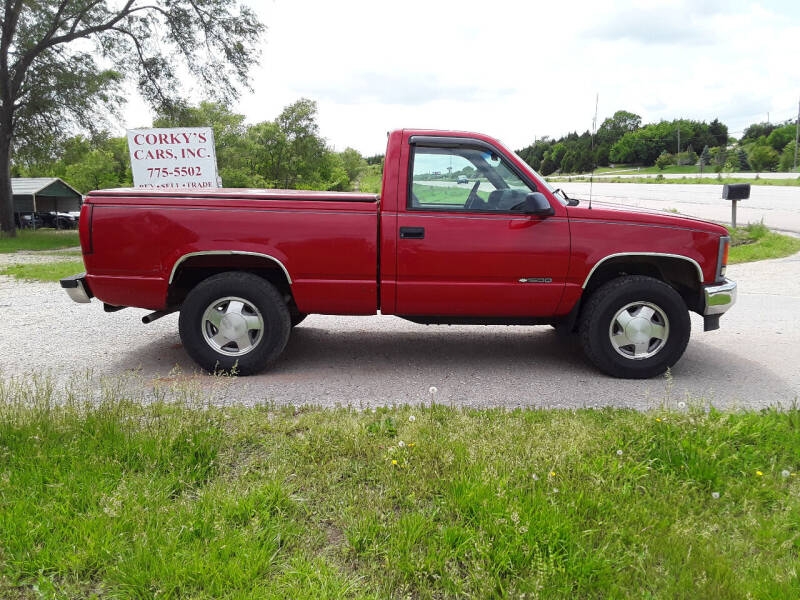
pixel 570 201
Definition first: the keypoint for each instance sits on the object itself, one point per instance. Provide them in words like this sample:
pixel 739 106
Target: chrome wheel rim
pixel 232 326
pixel 639 330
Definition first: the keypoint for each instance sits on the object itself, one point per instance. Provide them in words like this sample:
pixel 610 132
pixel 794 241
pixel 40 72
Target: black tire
pixel 608 302
pixel 259 294
pixel 297 318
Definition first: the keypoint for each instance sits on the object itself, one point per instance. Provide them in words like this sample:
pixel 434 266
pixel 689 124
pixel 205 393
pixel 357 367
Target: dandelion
pixel 535 477
pixel 411 445
pixel 681 405
pixel 552 473
pixel 785 473
pixel 759 473
pixel 619 452
pixel 401 443
pixel 412 418
pixel 715 495
pixel 555 490
pixel 658 420
pixel 394 462
pixel 433 389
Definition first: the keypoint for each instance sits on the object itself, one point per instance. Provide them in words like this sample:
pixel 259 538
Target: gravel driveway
pixel 752 361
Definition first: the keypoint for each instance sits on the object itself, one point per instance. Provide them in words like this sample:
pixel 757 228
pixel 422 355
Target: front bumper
pixel 77 288
pixel 718 297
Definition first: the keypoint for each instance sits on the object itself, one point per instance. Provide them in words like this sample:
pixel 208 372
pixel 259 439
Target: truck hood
pixel 601 211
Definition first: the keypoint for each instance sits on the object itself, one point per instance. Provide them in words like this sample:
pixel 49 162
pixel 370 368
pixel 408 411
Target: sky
pixel 519 70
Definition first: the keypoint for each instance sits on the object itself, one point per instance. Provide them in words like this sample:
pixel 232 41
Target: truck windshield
pixel 541 180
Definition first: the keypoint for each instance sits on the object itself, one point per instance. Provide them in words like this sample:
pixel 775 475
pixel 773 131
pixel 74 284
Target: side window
pixel 463 179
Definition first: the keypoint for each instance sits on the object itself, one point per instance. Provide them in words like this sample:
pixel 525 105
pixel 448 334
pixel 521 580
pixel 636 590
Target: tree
pixel 763 158
pixel 51 80
pixel 547 166
pixel 787 157
pixel 664 159
pixel 781 136
pixel 720 133
pixel 352 162
pixel 744 163
pixel 756 130
pixel 615 127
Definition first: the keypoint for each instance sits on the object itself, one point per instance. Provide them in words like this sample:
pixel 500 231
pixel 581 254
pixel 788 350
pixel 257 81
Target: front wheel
pixel 234 322
pixel 635 327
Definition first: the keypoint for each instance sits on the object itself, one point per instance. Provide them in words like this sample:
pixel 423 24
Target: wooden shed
pixel 44 194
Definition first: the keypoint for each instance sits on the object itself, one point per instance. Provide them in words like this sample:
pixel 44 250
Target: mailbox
pixel 736 191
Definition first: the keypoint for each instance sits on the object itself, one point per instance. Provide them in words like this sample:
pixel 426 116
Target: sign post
pixel 181 157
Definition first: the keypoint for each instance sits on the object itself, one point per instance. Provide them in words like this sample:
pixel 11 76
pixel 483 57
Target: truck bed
pixel 325 242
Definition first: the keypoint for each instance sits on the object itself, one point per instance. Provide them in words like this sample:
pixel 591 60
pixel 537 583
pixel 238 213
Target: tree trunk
pixel 7 226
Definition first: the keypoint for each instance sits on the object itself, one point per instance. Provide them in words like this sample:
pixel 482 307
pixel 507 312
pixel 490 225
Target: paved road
pixel 752 361
pixel 711 173
pixel 779 207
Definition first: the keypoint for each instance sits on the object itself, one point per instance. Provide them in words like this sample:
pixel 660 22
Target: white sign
pixel 182 157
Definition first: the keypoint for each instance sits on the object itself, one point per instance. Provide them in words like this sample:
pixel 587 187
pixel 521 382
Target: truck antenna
pixel 594 129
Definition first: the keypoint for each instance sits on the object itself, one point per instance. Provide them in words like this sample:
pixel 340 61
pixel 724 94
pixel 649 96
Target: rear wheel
pixel 234 322
pixel 635 327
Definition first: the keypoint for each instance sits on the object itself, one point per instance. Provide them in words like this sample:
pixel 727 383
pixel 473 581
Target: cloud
pixel 410 88
pixel 653 25
pixel 519 69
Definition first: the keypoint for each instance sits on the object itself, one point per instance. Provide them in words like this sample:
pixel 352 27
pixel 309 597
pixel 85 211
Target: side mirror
pixel 537 204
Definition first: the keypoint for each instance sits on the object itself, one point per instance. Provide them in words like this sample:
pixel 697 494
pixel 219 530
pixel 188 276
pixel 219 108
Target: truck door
pixel 463 246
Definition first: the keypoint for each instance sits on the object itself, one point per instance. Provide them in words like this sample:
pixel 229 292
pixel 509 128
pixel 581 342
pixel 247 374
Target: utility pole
pixel 796 135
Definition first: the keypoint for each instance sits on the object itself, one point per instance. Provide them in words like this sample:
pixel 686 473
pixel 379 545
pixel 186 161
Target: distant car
pixel 462 179
pixel 28 221
pixel 59 220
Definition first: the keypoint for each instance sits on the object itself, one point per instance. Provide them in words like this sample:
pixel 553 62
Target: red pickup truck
pixel 245 266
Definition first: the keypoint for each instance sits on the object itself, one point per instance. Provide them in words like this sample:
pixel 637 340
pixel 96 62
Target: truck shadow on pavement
pixel 477 366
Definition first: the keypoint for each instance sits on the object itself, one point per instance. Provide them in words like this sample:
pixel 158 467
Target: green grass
pixel 668 169
pixel 683 180
pixel 50 271
pixel 431 194
pixel 756 242
pixel 42 239
pixel 179 498
pixel 370 179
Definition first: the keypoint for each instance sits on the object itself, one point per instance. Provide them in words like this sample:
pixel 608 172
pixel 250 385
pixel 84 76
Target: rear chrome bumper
pixel 719 297
pixel 77 289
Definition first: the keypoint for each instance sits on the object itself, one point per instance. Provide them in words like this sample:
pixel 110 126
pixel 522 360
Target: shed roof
pixel 44 186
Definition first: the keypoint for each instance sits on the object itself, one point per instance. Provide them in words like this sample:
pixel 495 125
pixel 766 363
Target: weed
pixel 119 489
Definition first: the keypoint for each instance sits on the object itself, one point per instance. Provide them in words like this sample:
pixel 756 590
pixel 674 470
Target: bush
pixel 763 158
pixel 664 159
pixel 787 158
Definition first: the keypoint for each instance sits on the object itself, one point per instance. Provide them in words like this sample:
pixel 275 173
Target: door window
pixel 464 179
